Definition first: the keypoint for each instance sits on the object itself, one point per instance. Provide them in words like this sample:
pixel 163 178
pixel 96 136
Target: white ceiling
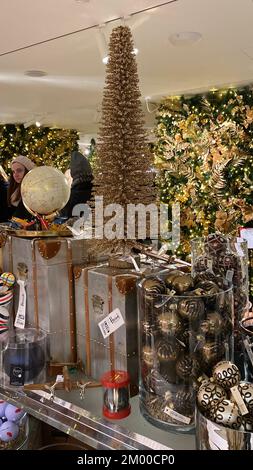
pixel 71 92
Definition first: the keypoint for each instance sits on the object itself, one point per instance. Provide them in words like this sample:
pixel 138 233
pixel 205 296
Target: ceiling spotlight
pixel 86 152
pixel 105 59
pixel 135 51
pixel 37 124
pixel 185 38
pixel 35 73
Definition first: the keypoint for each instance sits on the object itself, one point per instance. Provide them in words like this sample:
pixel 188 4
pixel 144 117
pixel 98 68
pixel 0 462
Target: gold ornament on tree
pixel 123 161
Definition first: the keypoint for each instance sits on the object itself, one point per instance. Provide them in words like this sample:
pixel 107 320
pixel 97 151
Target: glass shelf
pixel 82 419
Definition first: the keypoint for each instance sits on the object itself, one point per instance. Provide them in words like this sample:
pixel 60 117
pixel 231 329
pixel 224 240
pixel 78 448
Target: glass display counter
pixel 82 419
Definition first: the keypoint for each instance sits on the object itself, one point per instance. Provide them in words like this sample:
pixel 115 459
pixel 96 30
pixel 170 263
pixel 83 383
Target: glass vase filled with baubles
pixel 186 327
pixel 224 410
pixel 222 257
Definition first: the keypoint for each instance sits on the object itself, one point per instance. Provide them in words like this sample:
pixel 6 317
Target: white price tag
pixel 163 250
pixel 238 247
pixel 247 234
pixel 136 267
pixel 111 323
pixel 177 416
pixel 20 317
pixel 210 264
pixel 59 378
pixel 239 400
pixel 229 275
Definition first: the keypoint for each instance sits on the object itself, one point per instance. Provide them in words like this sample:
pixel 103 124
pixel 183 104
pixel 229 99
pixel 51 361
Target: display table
pixel 83 420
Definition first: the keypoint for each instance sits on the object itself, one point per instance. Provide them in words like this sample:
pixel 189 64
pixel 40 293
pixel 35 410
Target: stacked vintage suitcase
pixel 98 292
pixel 46 265
pixel 68 294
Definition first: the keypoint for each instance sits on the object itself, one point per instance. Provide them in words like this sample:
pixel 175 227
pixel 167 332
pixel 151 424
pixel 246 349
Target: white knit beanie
pixel 25 161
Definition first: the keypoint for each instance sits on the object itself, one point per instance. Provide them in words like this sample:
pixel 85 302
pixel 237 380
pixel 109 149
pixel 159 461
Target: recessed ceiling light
pixel 135 51
pixel 37 124
pixel 185 38
pixel 105 59
pixel 35 73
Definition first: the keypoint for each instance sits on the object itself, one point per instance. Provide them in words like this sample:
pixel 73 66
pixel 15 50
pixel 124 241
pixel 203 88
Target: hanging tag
pixel 177 416
pixel 248 349
pixel 20 317
pixel 239 400
pixel 229 275
pixel 136 267
pixel 247 234
pixel 59 378
pixel 163 249
pixel 209 264
pixel 239 248
pixel 111 323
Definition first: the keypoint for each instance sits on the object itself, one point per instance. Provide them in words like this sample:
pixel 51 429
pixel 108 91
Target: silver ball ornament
pixel 209 395
pixel 226 374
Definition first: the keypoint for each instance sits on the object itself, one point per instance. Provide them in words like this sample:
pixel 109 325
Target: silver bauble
pixel 227 414
pixel 226 374
pixel 246 391
pixel 209 395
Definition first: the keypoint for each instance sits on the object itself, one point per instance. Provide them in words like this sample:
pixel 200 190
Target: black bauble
pixel 215 244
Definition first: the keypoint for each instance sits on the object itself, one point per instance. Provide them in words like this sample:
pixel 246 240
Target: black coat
pixel 80 194
pixel 4 212
pixel 20 212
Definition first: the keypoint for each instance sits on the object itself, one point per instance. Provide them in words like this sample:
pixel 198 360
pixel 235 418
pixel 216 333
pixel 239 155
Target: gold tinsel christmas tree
pixel 123 161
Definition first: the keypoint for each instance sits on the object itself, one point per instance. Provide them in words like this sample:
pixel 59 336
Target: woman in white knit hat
pixel 19 167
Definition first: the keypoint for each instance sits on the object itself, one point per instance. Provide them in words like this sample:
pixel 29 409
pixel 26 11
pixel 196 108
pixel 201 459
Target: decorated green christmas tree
pixel 204 154
pixel 43 145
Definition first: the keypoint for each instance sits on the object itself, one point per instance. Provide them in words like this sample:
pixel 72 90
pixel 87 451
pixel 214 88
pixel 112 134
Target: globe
pixel 45 190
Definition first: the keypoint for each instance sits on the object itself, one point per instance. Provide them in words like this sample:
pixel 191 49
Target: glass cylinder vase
pixel 184 331
pixel 225 259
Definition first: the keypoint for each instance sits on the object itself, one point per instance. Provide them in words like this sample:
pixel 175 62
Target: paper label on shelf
pixel 111 323
pixel 177 416
pixel 239 400
pixel 247 234
pixel 20 317
pixel 249 350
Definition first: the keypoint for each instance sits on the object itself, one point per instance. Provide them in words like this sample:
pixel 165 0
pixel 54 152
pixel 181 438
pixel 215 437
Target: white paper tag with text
pixel 111 323
pixel 247 234
pixel 136 267
pixel 209 263
pixel 229 275
pixel 239 400
pixel 20 317
pixel 59 378
pixel 177 416
pixel 239 248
